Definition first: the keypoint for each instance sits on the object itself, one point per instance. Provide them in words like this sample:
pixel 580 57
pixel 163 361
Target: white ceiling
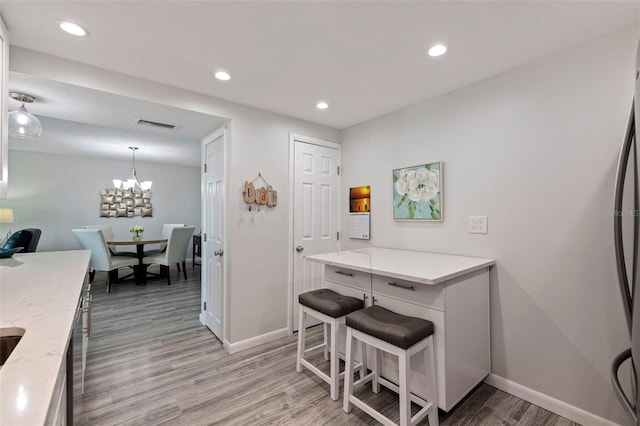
pixel 364 58
pixel 85 122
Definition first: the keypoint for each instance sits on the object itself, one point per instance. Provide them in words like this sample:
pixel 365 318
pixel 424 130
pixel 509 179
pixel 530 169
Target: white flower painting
pixel 417 192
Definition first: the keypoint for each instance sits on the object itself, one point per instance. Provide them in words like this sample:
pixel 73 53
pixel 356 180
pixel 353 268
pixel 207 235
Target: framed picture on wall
pixel 417 192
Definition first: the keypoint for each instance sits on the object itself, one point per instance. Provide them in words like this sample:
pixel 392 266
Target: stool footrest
pixel 364 380
pixel 316 370
pixel 371 411
pixel 320 346
pixel 325 377
pixel 421 414
pixel 392 386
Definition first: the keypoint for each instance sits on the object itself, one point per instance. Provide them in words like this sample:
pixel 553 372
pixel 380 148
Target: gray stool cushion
pixel 329 302
pixel 399 330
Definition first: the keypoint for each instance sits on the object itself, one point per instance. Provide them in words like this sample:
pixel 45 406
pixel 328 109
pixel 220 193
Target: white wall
pixel 57 193
pixel 257 242
pixel 535 150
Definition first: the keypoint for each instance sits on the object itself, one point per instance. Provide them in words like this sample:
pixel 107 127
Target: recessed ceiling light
pixel 437 50
pixel 322 105
pixel 221 75
pixel 73 28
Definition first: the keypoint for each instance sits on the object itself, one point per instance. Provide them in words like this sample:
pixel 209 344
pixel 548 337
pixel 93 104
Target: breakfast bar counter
pixel 39 293
pixel 451 291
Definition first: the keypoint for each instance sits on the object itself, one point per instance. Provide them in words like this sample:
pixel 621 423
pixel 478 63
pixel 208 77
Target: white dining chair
pixel 101 258
pixel 176 252
pixel 107 233
pixel 166 233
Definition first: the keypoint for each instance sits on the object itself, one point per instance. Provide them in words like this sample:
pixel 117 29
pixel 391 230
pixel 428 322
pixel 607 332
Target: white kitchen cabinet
pixel 60 417
pixel 451 291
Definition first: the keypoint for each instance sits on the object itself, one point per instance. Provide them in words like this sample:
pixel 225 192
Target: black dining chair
pixel 26 238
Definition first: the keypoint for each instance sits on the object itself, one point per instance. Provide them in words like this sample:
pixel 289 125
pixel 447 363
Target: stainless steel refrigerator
pixel 626 229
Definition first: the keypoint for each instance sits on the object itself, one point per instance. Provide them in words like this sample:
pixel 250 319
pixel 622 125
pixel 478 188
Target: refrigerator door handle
pixel 624 400
pixel 623 162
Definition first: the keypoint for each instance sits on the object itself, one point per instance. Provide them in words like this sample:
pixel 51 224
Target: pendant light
pixel 133 183
pixel 22 124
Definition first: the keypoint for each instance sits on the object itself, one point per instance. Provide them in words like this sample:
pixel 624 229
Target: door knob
pixel 299 249
pixel 218 252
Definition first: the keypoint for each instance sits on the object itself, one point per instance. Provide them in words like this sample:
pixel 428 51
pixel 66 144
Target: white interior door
pixel 213 235
pixel 315 214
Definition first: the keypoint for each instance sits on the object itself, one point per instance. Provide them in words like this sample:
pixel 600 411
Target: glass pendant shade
pixel 24 125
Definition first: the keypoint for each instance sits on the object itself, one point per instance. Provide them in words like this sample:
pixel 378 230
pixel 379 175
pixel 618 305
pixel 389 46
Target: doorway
pixel 315 216
pixel 214 148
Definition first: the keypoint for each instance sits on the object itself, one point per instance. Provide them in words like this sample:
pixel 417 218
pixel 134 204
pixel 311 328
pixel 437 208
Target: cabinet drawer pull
pixel 406 287
pixel 348 274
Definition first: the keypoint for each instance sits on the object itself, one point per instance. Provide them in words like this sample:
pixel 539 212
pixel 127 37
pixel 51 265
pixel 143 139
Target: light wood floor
pixel 151 362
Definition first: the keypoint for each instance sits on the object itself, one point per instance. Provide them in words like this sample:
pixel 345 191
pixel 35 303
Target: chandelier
pixel 132 183
pixel 22 124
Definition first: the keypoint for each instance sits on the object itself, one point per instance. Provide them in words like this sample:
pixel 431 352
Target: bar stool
pixel 401 336
pixel 330 308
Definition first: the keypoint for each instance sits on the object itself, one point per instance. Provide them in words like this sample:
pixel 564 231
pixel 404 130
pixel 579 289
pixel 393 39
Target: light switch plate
pixel 477 224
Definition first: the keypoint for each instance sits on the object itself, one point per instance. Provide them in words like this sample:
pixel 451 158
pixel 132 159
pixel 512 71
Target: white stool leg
pixel 375 386
pixel 301 339
pixel 403 385
pixel 326 342
pixel 432 387
pixel 362 347
pixel 348 373
pixel 335 359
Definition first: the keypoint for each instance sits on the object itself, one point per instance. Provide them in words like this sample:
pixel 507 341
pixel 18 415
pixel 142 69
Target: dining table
pixel 139 271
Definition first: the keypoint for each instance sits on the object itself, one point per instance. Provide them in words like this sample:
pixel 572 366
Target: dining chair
pixel 26 238
pixel 176 251
pixel 107 233
pixel 166 233
pixel 101 257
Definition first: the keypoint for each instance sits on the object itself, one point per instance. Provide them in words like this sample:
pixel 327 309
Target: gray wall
pixel 57 193
pixel 535 150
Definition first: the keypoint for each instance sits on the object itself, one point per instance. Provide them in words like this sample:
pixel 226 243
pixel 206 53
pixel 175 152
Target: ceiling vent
pixel 154 124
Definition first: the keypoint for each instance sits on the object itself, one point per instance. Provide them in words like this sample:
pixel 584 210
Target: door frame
pixel 224 132
pixel 293 138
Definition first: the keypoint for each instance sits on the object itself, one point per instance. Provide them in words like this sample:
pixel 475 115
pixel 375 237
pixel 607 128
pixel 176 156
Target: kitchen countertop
pixel 38 292
pixel 416 266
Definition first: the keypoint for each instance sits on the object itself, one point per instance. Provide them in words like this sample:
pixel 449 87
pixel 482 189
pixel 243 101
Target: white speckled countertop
pixel 38 292
pixel 416 266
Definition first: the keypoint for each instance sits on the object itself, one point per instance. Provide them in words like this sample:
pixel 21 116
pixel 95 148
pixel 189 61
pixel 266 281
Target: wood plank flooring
pixel 151 362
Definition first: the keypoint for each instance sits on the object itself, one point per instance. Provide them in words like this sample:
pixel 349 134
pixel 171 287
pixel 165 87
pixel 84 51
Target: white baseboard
pixel 561 408
pixel 256 341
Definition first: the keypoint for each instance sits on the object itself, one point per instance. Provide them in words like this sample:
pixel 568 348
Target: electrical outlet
pixel 477 224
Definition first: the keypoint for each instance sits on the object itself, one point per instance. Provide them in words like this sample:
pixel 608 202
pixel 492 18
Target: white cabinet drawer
pixel 344 290
pixel 421 294
pixel 348 277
